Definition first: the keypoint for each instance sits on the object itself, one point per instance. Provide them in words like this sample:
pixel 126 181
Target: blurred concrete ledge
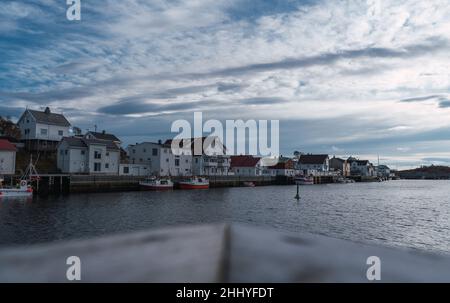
pixel 219 253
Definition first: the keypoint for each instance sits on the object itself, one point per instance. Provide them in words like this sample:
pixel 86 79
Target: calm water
pixel 397 213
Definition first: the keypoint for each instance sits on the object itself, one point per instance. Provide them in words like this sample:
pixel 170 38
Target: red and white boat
pixel 304 180
pixel 24 190
pixel 195 183
pixel 156 184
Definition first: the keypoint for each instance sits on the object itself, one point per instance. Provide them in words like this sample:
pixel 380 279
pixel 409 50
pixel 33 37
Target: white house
pixel 7 158
pixel 284 167
pixel 43 130
pixel 311 164
pixel 246 166
pixel 78 155
pixel 383 171
pixel 137 170
pixel 210 159
pixel 361 167
pixel 161 159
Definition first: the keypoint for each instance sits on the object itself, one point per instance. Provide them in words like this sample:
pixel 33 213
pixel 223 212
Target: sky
pixel 344 77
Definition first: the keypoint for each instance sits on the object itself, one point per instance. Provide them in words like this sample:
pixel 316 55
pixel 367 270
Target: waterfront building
pixel 80 155
pixel 43 130
pixel 361 167
pixel 160 158
pixel 213 160
pixel 383 171
pixel 284 167
pixel 7 158
pixel 340 165
pixel 134 170
pixel 310 164
pixel 246 166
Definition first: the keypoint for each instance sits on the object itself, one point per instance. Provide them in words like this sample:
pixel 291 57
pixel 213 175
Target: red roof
pixel 6 145
pixel 244 161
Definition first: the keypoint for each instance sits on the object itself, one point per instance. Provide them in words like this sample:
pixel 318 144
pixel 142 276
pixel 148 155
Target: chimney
pixel 159 141
pixel 47 110
pixel 103 132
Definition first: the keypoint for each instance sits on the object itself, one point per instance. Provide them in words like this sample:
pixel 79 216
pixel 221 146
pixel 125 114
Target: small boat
pixel 344 180
pixel 249 184
pixel 195 183
pixel 25 190
pixel 156 184
pixel 304 180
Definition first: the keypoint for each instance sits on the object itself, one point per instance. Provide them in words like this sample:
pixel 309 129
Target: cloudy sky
pixel 352 77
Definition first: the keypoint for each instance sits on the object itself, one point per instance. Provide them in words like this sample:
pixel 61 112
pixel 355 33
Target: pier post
pixel 298 192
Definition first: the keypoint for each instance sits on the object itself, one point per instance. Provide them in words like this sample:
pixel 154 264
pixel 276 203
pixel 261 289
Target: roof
pixel 6 145
pixel 47 117
pixel 283 163
pixel 104 136
pixel 244 161
pixel 338 159
pixel 359 162
pixel 312 159
pixel 84 143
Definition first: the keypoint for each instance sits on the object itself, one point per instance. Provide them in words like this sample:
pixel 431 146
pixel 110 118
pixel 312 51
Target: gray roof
pixel 49 118
pixel 104 136
pixel 84 143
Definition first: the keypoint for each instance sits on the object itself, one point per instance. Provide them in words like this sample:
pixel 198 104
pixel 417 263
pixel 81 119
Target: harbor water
pixel 413 214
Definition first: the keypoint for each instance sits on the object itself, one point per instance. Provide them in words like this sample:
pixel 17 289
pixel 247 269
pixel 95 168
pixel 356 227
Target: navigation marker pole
pixel 298 191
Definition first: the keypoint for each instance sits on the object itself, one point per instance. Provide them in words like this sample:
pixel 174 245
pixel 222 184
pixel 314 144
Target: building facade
pixel 7 158
pixel 43 130
pixel 247 166
pixel 361 167
pixel 160 158
pixel 79 155
pixel 312 164
pixel 284 167
pixel 340 165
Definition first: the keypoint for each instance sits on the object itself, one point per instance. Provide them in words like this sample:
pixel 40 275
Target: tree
pixel 9 128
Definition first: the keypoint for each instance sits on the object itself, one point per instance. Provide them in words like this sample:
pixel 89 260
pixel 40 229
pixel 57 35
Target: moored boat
pixel 249 184
pixel 156 184
pixel 195 183
pixel 24 190
pixel 304 180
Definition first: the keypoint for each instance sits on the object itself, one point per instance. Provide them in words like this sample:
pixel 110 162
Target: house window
pixel 65 152
pixel 97 166
pixel 155 152
pixel 107 154
pixel 177 162
pixel 167 160
pixel 134 151
pixel 83 152
pixel 196 160
pixel 145 150
pixel 126 170
pixel 43 131
pixel 97 155
pixel 60 133
pixel 106 165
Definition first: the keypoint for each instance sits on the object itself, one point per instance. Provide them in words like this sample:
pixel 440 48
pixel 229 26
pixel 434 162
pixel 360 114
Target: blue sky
pixel 343 77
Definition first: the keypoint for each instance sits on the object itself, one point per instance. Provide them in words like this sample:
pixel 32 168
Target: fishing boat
pixel 304 180
pixel 24 188
pixel 156 184
pixel 249 184
pixel 195 183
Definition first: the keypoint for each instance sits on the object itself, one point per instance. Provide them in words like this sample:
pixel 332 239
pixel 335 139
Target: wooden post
pixel 298 192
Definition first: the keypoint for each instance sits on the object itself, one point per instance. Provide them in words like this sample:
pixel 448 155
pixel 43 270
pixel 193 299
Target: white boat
pixel 304 180
pixel 156 184
pixel 25 190
pixel 195 183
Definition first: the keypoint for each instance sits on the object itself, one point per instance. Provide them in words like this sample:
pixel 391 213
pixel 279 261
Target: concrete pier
pixel 219 253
